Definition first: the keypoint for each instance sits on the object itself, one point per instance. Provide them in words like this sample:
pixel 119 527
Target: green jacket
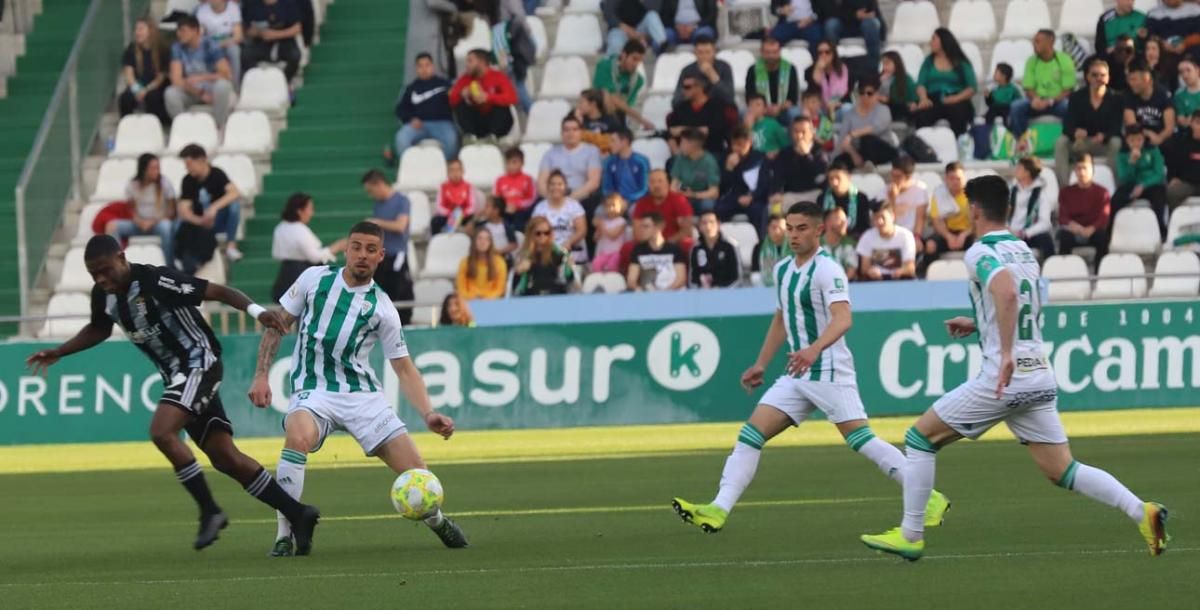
pixel 1148 171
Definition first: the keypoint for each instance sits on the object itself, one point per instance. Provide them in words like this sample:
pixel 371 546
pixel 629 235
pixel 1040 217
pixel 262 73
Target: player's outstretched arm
pixel 260 389
pixel 1004 295
pixel 839 324
pixel 416 394
pixel 776 334
pixel 89 336
pixel 238 300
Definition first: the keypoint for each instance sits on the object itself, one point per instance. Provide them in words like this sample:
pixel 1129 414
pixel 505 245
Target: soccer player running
pixel 812 314
pixel 157 308
pixel 342 314
pixel 1015 385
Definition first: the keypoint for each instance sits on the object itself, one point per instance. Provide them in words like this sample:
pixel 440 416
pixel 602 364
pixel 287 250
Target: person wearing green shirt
pixel 1049 81
pixel 622 84
pixel 1187 98
pixel 695 173
pixel 1141 174
pixel 945 85
pixel 1124 20
pixel 769 136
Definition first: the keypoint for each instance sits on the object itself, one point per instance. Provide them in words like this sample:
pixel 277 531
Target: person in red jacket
pixel 482 99
pixel 1083 211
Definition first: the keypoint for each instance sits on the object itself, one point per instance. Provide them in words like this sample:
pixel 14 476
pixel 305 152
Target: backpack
pixel 919 150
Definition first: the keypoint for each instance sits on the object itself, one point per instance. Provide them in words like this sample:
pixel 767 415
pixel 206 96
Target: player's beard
pixel 360 275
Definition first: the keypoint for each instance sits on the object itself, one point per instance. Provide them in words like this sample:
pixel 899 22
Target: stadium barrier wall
pixel 1105 356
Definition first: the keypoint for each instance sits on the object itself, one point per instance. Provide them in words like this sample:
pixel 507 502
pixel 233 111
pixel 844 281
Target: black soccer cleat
pixel 210 529
pixel 303 527
pixel 451 535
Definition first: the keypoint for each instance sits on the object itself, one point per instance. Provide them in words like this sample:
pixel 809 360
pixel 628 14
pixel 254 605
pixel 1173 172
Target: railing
pixel 68 128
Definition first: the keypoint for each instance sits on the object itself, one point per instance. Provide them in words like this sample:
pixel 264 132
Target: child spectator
pixel 822 124
pixel 1141 174
pixel 455 200
pixel 840 245
pixel 504 236
pixel 841 192
pixel 482 272
pixel 455 312
pixel 770 136
pixel 896 88
pixel 516 188
pixel 610 225
pixel 1001 97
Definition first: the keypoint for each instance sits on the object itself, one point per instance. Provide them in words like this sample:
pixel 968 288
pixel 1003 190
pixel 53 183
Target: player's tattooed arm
pixel 269 346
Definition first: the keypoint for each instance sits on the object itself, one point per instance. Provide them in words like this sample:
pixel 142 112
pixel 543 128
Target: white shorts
pixel 972 409
pixel 798 397
pixel 367 416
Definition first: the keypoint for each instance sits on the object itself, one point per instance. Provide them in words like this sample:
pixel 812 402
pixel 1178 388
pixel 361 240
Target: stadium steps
pixel 336 131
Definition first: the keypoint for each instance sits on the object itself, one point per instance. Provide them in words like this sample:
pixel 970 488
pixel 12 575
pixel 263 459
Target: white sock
pixel 1104 488
pixel 740 467
pixel 435 519
pixel 290 476
pixel 919 471
pixel 886 456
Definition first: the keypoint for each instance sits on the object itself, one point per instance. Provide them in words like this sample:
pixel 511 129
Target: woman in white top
pixel 1031 203
pixel 296 246
pixel 152 200
pixel 222 21
pixel 566 216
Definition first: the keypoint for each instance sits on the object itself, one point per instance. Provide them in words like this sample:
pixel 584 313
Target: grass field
pixel 597 532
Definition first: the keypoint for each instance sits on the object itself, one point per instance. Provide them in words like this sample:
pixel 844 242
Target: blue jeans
pixel 651 26
pixel 1021 111
pixel 787 31
pixel 673 37
pixel 703 205
pixel 442 131
pixel 869 28
pixel 227 221
pixel 164 229
pixel 531 6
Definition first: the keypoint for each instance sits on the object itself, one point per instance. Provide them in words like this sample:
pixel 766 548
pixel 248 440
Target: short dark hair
pixel 693 134
pixel 654 217
pixel 704 213
pixel 187 21
pixel 813 91
pixel 1139 64
pixel 703 39
pixel 633 47
pixel 423 55
pixel 1005 70
pixel 570 118
pixel 101 246
pixel 1134 130
pixel 367 227
pixel 839 165
pixel 481 55
pixel 295 203
pixel 453 161
pixel 1048 33
pixel 1032 164
pixel 373 175
pixel 740 133
pixel 807 208
pixel 622 133
pixel 870 80
pixel 595 96
pixel 498 202
pixel 833 210
pixel 193 151
pixel 768 39
pixel 514 152
pixel 750 97
pixel 990 193
pixel 954 166
pixel 881 206
pixel 905 164
pixel 1078 158
pixel 774 217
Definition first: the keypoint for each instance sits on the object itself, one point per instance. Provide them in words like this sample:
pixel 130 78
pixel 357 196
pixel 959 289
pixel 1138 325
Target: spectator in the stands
pixel 610 234
pixel 1148 105
pixel 455 312
pixel 798 20
pixel 673 207
pixel 211 204
pixel 841 192
pixel 1141 174
pixel 1119 59
pixel 1049 81
pixel 769 135
pixel 504 234
pixel 886 251
pixel 822 121
pixel 200 73
pixel 776 79
pixel 152 200
pixel 742 166
pixel 1083 211
pixel 513 46
pixel 1093 121
pixel 578 161
pixel 1184 166
pixel 770 250
pixel 798 172
pixel 1176 23
pixel 714 118
pixel 1152 52
pixel 908 196
pixel 950 214
pixel 515 188
pixel 707 67
pixel 689 21
pixel 622 84
pixel 857 18
pixel 392 213
pixel 897 89
pixel 567 217
pixel 695 173
pixel 841 245
pixel 633 20
pixel 1187 97
pixel 597 126
pixel 866 131
pixel 831 76
pixel 1001 97
pixel 656 264
pixel 946 84
pixel 482 99
pixel 1031 203
pixel 144 67
pixel 424 111
pixel 625 172
pixel 542 267
pixel 295 245
pixel 456 201
pixel 482 273
pixel 221 21
pixel 713 262
pixel 1122 20
pixel 271 28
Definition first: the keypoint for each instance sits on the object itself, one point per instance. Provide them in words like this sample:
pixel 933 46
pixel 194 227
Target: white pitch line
pixel 599 567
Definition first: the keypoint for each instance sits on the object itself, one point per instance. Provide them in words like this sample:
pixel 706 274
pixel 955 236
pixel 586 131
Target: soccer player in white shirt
pixel 1015 385
pixel 812 314
pixel 342 313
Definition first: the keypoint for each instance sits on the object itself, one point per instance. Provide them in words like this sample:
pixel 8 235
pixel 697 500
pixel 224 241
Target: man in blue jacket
pixel 625 172
pixel 424 111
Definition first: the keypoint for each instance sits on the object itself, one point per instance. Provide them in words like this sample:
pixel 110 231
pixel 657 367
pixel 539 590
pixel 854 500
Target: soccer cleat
pixel 894 542
pixel 1154 528
pixel 451 535
pixel 283 547
pixel 303 527
pixel 210 529
pixel 709 517
pixel 936 509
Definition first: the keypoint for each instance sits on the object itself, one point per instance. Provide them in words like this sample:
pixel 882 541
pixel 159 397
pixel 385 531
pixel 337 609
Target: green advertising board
pixel 1105 356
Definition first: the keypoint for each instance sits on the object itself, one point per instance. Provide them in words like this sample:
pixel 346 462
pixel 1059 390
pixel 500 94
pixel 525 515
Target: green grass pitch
pixel 599 533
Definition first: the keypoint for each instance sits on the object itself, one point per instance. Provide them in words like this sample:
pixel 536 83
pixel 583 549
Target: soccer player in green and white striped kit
pixel 812 314
pixel 342 314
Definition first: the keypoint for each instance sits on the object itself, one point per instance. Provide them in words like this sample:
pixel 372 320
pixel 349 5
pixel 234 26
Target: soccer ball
pixel 416 494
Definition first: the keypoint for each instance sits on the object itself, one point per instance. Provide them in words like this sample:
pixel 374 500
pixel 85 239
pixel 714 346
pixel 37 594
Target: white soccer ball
pixel 416 494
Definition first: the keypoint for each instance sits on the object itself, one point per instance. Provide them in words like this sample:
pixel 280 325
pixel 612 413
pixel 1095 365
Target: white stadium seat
pixel 480 38
pixel 851 50
pixel 973 20
pixel 912 55
pixel 578 35
pixel 214 269
pixel 975 56
pixel 193 128
pixel 1145 5
pixel 1013 52
pixel 608 282
pixel 1120 265
pixel 86 217
pixel 545 120
pixel 914 22
pixel 114 176
pixel 430 290
pixel 146 254
pixel 173 170
pixel 482 164
pixel 655 149
pixel 1102 175
pixel 668 67
pixel 248 133
pixel 444 252
pixel 420 213
pixel 74 276
pixel 744 236
pixel 1023 18
pixel 871 185
pixel 265 89
pixel 740 61
pixel 241 172
pixel 1184 220
pixel 1135 230
pixel 1079 17
pixel 537 31
pixel 932 180
pixel 582 6
pixel 1067 275
pixel 946 270
pixel 941 140
pixel 534 151
pixel 137 134
pixel 67 304
pixel 1177 261
pixel 422 168
pixel 656 108
pixel 564 77
pixel 799 56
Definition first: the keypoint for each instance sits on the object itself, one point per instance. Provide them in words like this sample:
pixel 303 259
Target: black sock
pixel 193 480
pixel 264 487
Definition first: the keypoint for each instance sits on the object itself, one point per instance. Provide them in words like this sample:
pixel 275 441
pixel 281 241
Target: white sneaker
pixel 233 254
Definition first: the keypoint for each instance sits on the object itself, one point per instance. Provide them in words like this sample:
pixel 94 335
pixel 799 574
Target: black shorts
pixel 198 395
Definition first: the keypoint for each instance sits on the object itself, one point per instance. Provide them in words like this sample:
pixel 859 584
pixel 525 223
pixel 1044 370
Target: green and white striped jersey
pixel 339 326
pixel 803 295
